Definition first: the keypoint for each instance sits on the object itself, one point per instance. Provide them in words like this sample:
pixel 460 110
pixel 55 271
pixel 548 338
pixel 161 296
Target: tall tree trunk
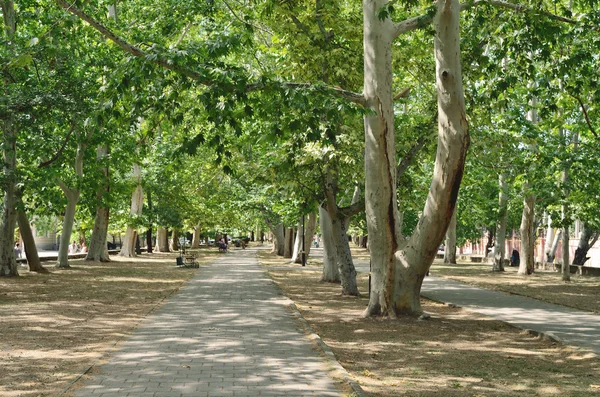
pixel 586 241
pixel 31 252
pixel 500 246
pixel 175 241
pixel 331 272
pixel 162 240
pixel 149 240
pixel 137 203
pixel 550 255
pixel 196 237
pixel 310 224
pixel 450 246
pixel 72 195
pixel 98 249
pixel 339 237
pixel 397 275
pixel 566 264
pixel 297 251
pixel 8 263
pixel 549 241
pixel 527 233
pixel 289 242
pixel 279 238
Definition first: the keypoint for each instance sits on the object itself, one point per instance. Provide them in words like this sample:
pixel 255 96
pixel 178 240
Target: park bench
pixel 188 260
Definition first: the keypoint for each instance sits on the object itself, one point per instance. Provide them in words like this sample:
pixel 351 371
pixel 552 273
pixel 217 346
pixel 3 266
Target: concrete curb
pixel 547 336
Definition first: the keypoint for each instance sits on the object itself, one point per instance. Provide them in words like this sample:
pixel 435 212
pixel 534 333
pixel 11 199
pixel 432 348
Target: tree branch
pixel 130 48
pixel 353 209
pixel 421 21
pixel 60 151
pixel 585 114
pixel 169 64
pixel 350 95
pixel 410 156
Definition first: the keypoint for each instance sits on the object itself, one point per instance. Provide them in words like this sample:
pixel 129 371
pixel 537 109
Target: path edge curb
pixel 357 390
pixel 548 336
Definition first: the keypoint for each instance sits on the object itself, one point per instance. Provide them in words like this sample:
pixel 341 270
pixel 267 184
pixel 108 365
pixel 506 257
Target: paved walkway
pixel 227 332
pixel 572 327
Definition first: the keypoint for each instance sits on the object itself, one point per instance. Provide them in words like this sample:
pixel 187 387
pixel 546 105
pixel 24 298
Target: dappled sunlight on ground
pixel 455 353
pixel 55 325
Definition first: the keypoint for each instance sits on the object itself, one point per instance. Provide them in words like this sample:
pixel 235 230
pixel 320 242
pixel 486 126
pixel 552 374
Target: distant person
pixel 515 259
pixel 83 248
pixel 17 250
pixel 73 248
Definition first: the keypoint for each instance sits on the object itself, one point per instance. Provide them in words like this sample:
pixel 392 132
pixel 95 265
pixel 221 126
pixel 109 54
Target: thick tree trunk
pixel 331 271
pixel 557 237
pixel 278 239
pixel 98 250
pixel 289 242
pixel 175 241
pixel 162 240
pixel 137 203
pixel 8 263
pixel 72 195
pixel 397 276
pixel 499 248
pixel 296 252
pixel 342 253
pixel 527 234
pixel 450 245
pixel 549 241
pixel 196 237
pixel 566 264
pixel 149 240
pixel 310 224
pixel 380 159
pixel 69 218
pixel 586 241
pixel 31 252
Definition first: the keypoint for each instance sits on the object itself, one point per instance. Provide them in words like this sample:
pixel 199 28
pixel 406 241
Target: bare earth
pixel 455 353
pixel 54 327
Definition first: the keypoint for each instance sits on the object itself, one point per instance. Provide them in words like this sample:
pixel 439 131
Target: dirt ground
pixel 53 327
pixel 455 352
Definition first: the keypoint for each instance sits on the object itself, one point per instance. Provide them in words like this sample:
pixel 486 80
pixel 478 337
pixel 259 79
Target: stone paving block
pixel 227 332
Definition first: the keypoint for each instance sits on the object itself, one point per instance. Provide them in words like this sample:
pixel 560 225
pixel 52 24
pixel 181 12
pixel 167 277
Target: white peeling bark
pixel 396 286
pixel 331 271
pixel 557 238
pixel 72 195
pixel 450 244
pixel 380 158
pixel 196 237
pixel 137 203
pixel 289 242
pixel 98 250
pixel 162 240
pixel 527 234
pixel 296 253
pixel 500 246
